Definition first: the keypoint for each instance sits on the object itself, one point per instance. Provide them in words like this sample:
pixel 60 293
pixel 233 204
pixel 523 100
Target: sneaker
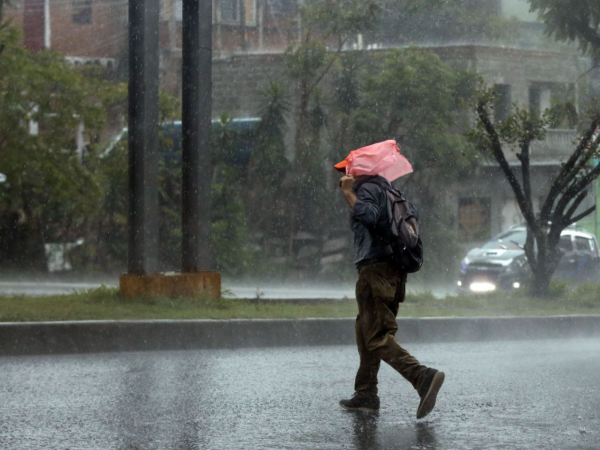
pixel 361 403
pixel 429 392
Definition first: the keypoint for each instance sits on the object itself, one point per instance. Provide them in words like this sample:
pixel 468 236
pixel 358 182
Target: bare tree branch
pixel 582 215
pixel 595 66
pixel 526 173
pixel 498 153
pixel 575 205
pixel 585 155
pixel 328 67
pixel 569 171
pixel 575 189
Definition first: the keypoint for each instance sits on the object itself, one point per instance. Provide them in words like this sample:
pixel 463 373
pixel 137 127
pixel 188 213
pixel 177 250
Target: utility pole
pixel 143 136
pixel 196 128
pixel 196 278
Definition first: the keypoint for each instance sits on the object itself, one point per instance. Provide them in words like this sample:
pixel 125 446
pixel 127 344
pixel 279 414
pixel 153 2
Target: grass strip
pixel 108 304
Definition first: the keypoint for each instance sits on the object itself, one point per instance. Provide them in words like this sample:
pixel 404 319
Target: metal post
pixel 196 129
pixel 143 136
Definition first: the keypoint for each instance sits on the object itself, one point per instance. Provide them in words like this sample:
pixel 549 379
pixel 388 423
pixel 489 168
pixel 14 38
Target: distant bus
pixel 170 139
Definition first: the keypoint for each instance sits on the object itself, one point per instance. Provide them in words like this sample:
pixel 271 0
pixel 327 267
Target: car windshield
pixel 509 240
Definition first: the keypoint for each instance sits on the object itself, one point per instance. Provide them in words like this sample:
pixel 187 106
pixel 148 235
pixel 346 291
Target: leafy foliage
pixel 52 192
pixel 572 20
pixel 340 18
pixel 412 88
pixel 268 167
pixel 229 239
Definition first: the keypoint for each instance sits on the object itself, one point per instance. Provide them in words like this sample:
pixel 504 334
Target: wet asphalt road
pixel 533 394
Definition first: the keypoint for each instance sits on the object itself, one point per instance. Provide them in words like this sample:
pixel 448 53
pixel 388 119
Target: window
pixel 543 96
pixel 229 10
pixel 584 245
pixel 565 243
pixel 503 102
pixel 179 10
pixel 82 12
pixel 539 100
pixel 474 218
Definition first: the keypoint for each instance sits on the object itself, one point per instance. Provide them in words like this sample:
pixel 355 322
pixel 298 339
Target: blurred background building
pixel 250 38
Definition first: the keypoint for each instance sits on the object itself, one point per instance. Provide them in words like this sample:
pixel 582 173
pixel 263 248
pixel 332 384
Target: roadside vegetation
pixel 108 304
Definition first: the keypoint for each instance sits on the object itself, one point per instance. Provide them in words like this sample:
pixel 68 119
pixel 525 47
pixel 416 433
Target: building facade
pixel 483 204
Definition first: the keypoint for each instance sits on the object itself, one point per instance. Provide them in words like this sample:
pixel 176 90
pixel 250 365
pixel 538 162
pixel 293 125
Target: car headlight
pixel 482 286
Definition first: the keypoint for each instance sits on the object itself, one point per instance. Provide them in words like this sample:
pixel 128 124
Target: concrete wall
pixel 518 68
pixel 238 80
pixel 518 9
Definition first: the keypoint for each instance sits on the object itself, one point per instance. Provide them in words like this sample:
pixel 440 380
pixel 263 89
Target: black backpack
pixel 403 234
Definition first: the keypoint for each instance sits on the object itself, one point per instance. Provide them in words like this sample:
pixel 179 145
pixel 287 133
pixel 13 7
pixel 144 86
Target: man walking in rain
pixel 381 284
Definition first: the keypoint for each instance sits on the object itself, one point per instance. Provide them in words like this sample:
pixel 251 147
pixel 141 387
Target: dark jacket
pixel 370 216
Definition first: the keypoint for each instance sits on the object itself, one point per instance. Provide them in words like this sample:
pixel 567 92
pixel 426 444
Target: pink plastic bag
pixel 383 159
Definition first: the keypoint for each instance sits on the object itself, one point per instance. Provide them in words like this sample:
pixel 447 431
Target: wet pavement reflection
pixel 366 436
pixel 534 394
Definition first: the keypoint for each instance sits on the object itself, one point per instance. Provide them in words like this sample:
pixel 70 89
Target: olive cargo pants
pixel 379 291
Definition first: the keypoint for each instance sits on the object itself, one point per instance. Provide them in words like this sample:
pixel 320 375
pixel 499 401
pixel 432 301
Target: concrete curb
pixel 40 338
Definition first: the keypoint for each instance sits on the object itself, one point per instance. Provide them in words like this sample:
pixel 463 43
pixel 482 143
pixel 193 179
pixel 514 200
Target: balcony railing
pixel 556 148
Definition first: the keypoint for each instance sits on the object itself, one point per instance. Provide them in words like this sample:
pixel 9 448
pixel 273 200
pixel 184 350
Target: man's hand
pixel 346 183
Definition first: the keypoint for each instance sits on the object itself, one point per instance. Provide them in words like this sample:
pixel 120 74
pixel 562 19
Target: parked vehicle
pixel 501 262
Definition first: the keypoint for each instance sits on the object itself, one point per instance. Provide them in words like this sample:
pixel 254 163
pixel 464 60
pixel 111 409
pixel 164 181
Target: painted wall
pixel 518 9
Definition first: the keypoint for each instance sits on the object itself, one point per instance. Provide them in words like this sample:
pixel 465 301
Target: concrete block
pixel 443 329
pixel 172 284
pixel 307 332
pixel 113 336
pixel 324 332
pixel 408 330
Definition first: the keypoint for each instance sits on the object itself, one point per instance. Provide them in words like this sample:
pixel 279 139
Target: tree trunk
pixel 547 257
pixel 540 282
pixel 299 147
pixel 300 138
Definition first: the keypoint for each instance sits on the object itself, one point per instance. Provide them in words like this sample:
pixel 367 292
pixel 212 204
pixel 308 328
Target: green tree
pixel 327 26
pixel 52 193
pixel 268 167
pixel 308 62
pixel 229 226
pixel 572 21
pixel 561 207
pixel 108 250
pixel 415 98
pixel 412 88
pixel 229 237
